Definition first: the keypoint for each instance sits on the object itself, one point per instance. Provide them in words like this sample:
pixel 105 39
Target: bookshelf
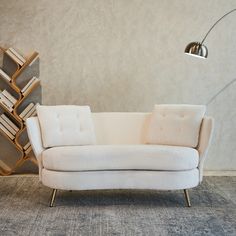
pixel 20 92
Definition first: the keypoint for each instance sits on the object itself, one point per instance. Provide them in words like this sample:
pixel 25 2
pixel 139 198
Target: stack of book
pixel 27 148
pixel 7 100
pixel 29 85
pixel 8 127
pixel 29 111
pixel 11 52
pixel 4 75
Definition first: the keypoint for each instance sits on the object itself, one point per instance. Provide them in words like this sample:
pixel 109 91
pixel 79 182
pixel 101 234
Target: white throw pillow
pixel 65 125
pixel 177 125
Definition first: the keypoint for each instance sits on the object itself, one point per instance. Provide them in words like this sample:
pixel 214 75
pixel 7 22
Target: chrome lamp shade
pixel 199 50
pixel 196 49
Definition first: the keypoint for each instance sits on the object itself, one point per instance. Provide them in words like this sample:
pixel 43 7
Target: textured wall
pixel 127 55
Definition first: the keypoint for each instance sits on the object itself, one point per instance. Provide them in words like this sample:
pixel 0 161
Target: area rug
pixel 24 210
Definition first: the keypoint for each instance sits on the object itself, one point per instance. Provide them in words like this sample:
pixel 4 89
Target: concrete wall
pixel 127 55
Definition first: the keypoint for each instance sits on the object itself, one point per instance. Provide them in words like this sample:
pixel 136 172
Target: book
pixel 26 146
pixel 26 110
pixel 10 122
pixel 28 84
pixel 32 112
pixel 5 75
pixel 9 96
pixel 14 57
pixel 31 85
pixel 9 108
pixel 17 54
pixel 9 103
pixel 36 80
pixel 28 150
pixel 7 126
pixel 8 133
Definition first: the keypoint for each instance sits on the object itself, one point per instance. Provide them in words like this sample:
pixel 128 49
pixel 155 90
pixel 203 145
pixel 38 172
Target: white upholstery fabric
pixel 34 134
pixel 162 180
pixel 175 125
pixel 126 129
pixel 120 127
pixel 65 125
pixel 204 141
pixel 120 157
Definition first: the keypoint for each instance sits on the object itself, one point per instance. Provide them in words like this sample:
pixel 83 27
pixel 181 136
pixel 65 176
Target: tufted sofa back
pixel 177 125
pixel 120 127
pixel 75 125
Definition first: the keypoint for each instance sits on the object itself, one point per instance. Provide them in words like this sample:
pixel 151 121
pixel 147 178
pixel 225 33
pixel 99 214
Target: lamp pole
pixel 199 50
pixel 232 81
pixel 220 91
pixel 217 23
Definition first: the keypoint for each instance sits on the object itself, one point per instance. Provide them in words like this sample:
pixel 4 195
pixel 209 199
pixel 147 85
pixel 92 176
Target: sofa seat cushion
pixel 120 157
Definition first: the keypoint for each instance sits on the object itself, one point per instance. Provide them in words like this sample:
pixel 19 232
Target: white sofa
pixel 120 157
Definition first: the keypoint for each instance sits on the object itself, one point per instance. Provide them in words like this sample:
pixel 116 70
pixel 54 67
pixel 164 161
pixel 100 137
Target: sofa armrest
pixel 204 141
pixel 34 134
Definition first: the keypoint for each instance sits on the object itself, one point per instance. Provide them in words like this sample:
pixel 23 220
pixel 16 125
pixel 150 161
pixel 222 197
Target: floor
pixel 24 210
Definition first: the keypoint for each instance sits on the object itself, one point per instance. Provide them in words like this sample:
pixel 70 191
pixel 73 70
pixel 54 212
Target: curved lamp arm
pixel 220 91
pixel 197 49
pixel 217 23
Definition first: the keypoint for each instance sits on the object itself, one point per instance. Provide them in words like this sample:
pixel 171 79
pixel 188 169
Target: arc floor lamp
pixel 198 49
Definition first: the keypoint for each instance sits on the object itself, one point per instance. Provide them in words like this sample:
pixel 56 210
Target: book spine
pixel 5 105
pixel 32 112
pixel 9 96
pixel 28 150
pixel 8 102
pixel 10 122
pixel 7 126
pixel 11 136
pixel 17 54
pixel 14 57
pixel 26 110
pixel 28 84
pixel 5 75
pixel 27 146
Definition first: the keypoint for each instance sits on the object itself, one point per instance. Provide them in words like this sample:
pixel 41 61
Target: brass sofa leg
pixel 187 197
pixel 53 196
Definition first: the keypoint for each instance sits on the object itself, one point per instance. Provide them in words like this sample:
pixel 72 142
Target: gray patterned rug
pixel 24 210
